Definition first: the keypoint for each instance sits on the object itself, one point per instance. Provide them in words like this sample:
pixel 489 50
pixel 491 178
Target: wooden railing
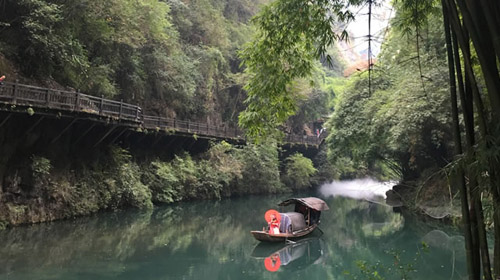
pixel 25 95
pixel 220 131
pixel 32 96
pixel 304 139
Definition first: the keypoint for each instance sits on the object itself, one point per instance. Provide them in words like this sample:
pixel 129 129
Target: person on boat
pixel 274 225
pixel 315 216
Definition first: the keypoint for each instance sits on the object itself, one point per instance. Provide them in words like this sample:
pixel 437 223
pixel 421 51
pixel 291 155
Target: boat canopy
pixel 292 221
pixel 311 202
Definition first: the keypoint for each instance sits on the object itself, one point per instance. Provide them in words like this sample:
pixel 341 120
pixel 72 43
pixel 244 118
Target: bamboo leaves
pixel 291 35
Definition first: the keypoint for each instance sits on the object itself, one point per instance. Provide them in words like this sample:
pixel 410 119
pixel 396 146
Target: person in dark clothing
pixel 315 216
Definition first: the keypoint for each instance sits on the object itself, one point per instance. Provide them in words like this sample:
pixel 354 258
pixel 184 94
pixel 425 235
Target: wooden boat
pixel 299 223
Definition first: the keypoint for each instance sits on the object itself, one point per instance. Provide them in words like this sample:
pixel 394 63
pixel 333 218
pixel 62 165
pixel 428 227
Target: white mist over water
pixel 367 188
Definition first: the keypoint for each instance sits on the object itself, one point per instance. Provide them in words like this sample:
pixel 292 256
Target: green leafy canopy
pixel 290 36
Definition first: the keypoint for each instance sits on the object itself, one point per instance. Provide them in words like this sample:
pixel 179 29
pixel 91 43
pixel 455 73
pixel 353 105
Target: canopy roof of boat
pixel 311 202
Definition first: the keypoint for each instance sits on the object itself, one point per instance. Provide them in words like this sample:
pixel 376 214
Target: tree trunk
pixel 491 15
pixel 468 115
pixel 475 207
pixel 480 251
pixel 472 269
pixel 479 31
pixel 490 73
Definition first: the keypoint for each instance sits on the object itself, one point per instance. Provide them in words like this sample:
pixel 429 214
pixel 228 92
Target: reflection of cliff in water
pixel 351 221
pixel 292 256
pixel 107 242
pixel 212 240
pixel 364 231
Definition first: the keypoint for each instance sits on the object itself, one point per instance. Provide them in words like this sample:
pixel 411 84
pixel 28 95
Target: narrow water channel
pixel 211 240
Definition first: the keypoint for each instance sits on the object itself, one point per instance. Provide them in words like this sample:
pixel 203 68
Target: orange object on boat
pixel 270 212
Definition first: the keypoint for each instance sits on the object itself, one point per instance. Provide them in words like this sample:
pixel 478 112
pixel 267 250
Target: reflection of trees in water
pixel 63 243
pixel 452 245
pixel 363 231
pixel 112 239
pixel 208 240
pixel 351 221
pixel 354 230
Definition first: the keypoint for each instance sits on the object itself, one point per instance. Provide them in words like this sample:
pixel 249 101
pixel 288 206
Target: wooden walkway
pixel 15 94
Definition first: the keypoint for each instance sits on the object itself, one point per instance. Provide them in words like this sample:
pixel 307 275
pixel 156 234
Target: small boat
pixel 293 225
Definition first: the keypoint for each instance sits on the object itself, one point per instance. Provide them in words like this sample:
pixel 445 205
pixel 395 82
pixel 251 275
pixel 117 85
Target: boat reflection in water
pixel 292 255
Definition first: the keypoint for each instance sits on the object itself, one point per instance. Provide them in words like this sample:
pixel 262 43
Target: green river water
pixel 211 240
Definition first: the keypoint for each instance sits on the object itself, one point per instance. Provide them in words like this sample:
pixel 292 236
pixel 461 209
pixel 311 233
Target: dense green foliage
pixel 184 178
pixel 299 171
pixel 403 126
pixel 115 179
pixel 314 97
pixel 110 183
pixel 223 171
pixel 175 58
pixel 398 130
pixel 261 169
pixel 291 35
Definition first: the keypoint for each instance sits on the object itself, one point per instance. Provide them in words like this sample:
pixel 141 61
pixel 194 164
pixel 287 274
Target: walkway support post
pixel 77 102
pixel 118 136
pixel 14 92
pixel 47 99
pixel 64 130
pixel 121 109
pixel 102 103
pixel 85 133
pixel 105 135
pixel 35 124
pixel 6 119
